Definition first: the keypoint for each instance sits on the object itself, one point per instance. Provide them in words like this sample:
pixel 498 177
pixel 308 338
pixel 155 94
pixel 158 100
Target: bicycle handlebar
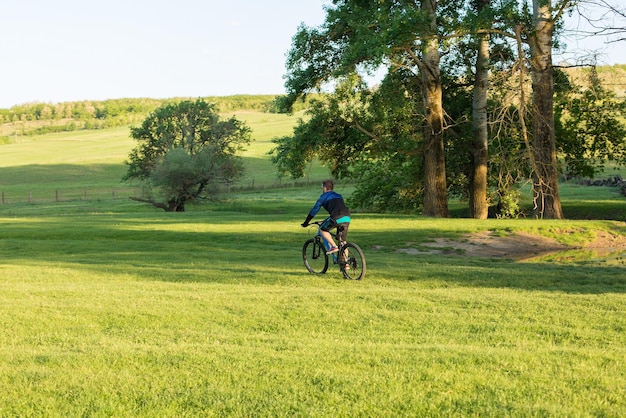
pixel 318 223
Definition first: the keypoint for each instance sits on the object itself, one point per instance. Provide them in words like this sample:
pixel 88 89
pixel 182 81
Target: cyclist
pixel 338 211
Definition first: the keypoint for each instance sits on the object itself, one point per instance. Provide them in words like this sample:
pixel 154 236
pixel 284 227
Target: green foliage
pixel 186 151
pixel 508 203
pixel 371 137
pixel 183 175
pixel 331 133
pixel 591 130
pixel 358 36
pixel 69 116
pixel 40 118
pixel 355 37
pixel 383 123
pixel 388 184
pixel 361 127
pixel 390 174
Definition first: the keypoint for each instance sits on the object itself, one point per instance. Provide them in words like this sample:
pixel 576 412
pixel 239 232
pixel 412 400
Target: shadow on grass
pixel 169 248
pixel 231 248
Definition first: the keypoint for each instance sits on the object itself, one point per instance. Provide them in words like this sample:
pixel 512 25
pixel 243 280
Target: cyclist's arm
pixel 316 208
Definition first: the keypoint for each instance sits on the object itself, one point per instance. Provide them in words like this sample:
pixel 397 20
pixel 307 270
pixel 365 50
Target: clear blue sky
pixel 66 50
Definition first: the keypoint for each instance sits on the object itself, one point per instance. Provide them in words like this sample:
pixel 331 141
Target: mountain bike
pixel 350 257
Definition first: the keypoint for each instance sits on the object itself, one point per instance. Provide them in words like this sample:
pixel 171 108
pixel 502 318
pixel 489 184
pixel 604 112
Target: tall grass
pixel 111 308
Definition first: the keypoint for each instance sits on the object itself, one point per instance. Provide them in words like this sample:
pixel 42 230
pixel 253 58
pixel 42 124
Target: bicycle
pixel 350 257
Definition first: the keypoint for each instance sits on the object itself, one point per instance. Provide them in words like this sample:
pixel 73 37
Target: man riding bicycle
pixel 338 211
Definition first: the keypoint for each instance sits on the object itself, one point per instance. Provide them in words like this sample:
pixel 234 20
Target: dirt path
pixel 518 246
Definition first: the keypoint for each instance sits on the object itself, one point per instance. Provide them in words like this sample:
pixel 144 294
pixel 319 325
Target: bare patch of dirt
pixel 517 246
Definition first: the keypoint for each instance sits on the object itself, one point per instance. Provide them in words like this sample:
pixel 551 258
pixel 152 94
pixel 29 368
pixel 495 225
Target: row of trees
pixel 85 110
pixel 41 118
pixel 467 103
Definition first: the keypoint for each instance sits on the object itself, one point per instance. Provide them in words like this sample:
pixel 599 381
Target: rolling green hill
pixel 90 163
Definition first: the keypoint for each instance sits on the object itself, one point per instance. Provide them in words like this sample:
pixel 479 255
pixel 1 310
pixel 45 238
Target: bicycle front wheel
pixel 352 261
pixel 314 256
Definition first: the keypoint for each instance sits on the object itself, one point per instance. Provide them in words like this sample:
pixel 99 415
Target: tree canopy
pixel 402 36
pixel 453 113
pixel 185 152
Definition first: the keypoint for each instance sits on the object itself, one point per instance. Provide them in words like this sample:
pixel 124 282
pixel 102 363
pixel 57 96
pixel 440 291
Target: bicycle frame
pixel 349 257
pixel 327 244
pixel 336 236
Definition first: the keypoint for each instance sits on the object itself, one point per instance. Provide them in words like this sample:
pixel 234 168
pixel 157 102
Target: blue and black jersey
pixel 333 203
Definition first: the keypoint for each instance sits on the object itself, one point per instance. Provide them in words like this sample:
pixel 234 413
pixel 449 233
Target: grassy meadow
pixel 109 307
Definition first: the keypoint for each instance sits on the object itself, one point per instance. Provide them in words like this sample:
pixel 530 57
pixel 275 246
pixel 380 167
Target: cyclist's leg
pixel 343 234
pixel 325 228
pixel 342 229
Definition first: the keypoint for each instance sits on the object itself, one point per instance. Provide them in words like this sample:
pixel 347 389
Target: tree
pixel 415 41
pixel 547 200
pixel 580 126
pixel 588 125
pixel 478 205
pixel 400 35
pixel 538 32
pixel 435 192
pixel 185 153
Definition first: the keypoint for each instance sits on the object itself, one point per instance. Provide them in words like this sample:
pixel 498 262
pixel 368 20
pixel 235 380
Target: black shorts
pixel 329 223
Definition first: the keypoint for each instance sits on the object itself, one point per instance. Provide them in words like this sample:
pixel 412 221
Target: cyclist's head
pixel 328 184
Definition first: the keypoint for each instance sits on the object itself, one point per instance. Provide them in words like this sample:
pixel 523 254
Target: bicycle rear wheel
pixel 314 256
pixel 352 261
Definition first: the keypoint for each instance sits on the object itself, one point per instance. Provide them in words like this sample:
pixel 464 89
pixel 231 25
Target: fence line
pixel 117 193
pixel 253 185
pixel 66 195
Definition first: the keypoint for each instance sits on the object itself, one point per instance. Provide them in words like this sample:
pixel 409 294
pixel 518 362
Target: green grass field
pixel 113 308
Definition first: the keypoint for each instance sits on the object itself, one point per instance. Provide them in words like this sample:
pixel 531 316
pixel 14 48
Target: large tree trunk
pixel 545 176
pixel 478 206
pixel 435 190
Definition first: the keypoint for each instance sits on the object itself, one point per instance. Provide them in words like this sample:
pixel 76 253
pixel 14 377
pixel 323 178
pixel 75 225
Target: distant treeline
pixel 41 118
